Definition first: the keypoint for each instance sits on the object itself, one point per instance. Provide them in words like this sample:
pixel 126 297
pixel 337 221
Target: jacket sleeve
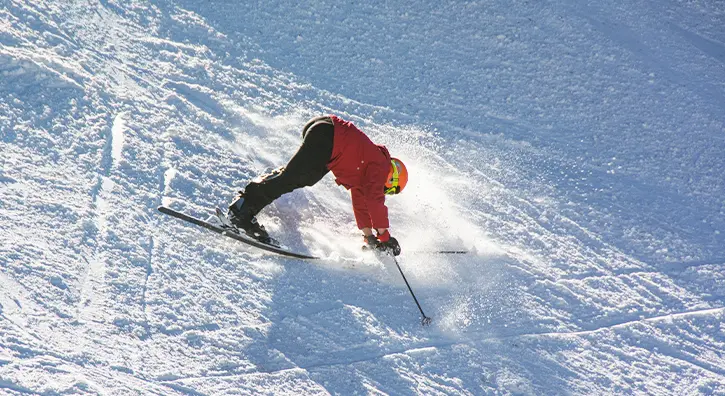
pixel 360 208
pixel 373 189
pixel 378 210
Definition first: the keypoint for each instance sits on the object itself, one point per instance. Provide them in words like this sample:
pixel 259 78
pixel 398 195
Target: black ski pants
pixel 306 168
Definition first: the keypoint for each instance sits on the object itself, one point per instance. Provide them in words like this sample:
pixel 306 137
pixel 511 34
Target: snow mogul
pixel 330 143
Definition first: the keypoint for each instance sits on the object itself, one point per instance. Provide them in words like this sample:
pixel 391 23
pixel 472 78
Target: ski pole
pixel 426 320
pixel 438 252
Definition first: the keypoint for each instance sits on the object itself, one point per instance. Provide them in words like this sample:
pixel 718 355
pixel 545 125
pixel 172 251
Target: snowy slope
pixel 575 147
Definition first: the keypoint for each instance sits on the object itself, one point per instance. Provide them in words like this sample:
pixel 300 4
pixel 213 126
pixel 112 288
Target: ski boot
pixel 242 218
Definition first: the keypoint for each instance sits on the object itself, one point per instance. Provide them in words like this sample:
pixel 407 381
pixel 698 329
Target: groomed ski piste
pixel 575 148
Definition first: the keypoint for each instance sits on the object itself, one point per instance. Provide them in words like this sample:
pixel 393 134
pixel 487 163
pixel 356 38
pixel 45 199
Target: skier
pixel 330 143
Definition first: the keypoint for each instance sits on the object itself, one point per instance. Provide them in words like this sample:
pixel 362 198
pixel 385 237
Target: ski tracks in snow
pixel 92 291
pixel 358 361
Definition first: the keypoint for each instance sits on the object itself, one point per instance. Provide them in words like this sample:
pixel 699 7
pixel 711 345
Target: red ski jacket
pixel 361 166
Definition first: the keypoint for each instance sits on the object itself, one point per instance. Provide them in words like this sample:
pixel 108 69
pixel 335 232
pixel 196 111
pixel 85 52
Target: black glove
pixel 391 245
pixel 371 242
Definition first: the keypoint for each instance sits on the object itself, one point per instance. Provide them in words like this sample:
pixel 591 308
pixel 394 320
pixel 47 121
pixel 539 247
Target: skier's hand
pixel 387 243
pixel 392 246
pixel 383 243
pixel 371 242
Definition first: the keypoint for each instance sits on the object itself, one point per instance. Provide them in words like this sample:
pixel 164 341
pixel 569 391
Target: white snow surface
pixel 576 148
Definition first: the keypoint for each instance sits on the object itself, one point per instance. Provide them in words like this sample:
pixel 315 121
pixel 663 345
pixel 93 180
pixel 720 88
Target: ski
pixel 229 231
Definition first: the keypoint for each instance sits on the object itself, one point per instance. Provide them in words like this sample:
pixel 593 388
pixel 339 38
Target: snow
pixel 575 148
pixel 117 131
